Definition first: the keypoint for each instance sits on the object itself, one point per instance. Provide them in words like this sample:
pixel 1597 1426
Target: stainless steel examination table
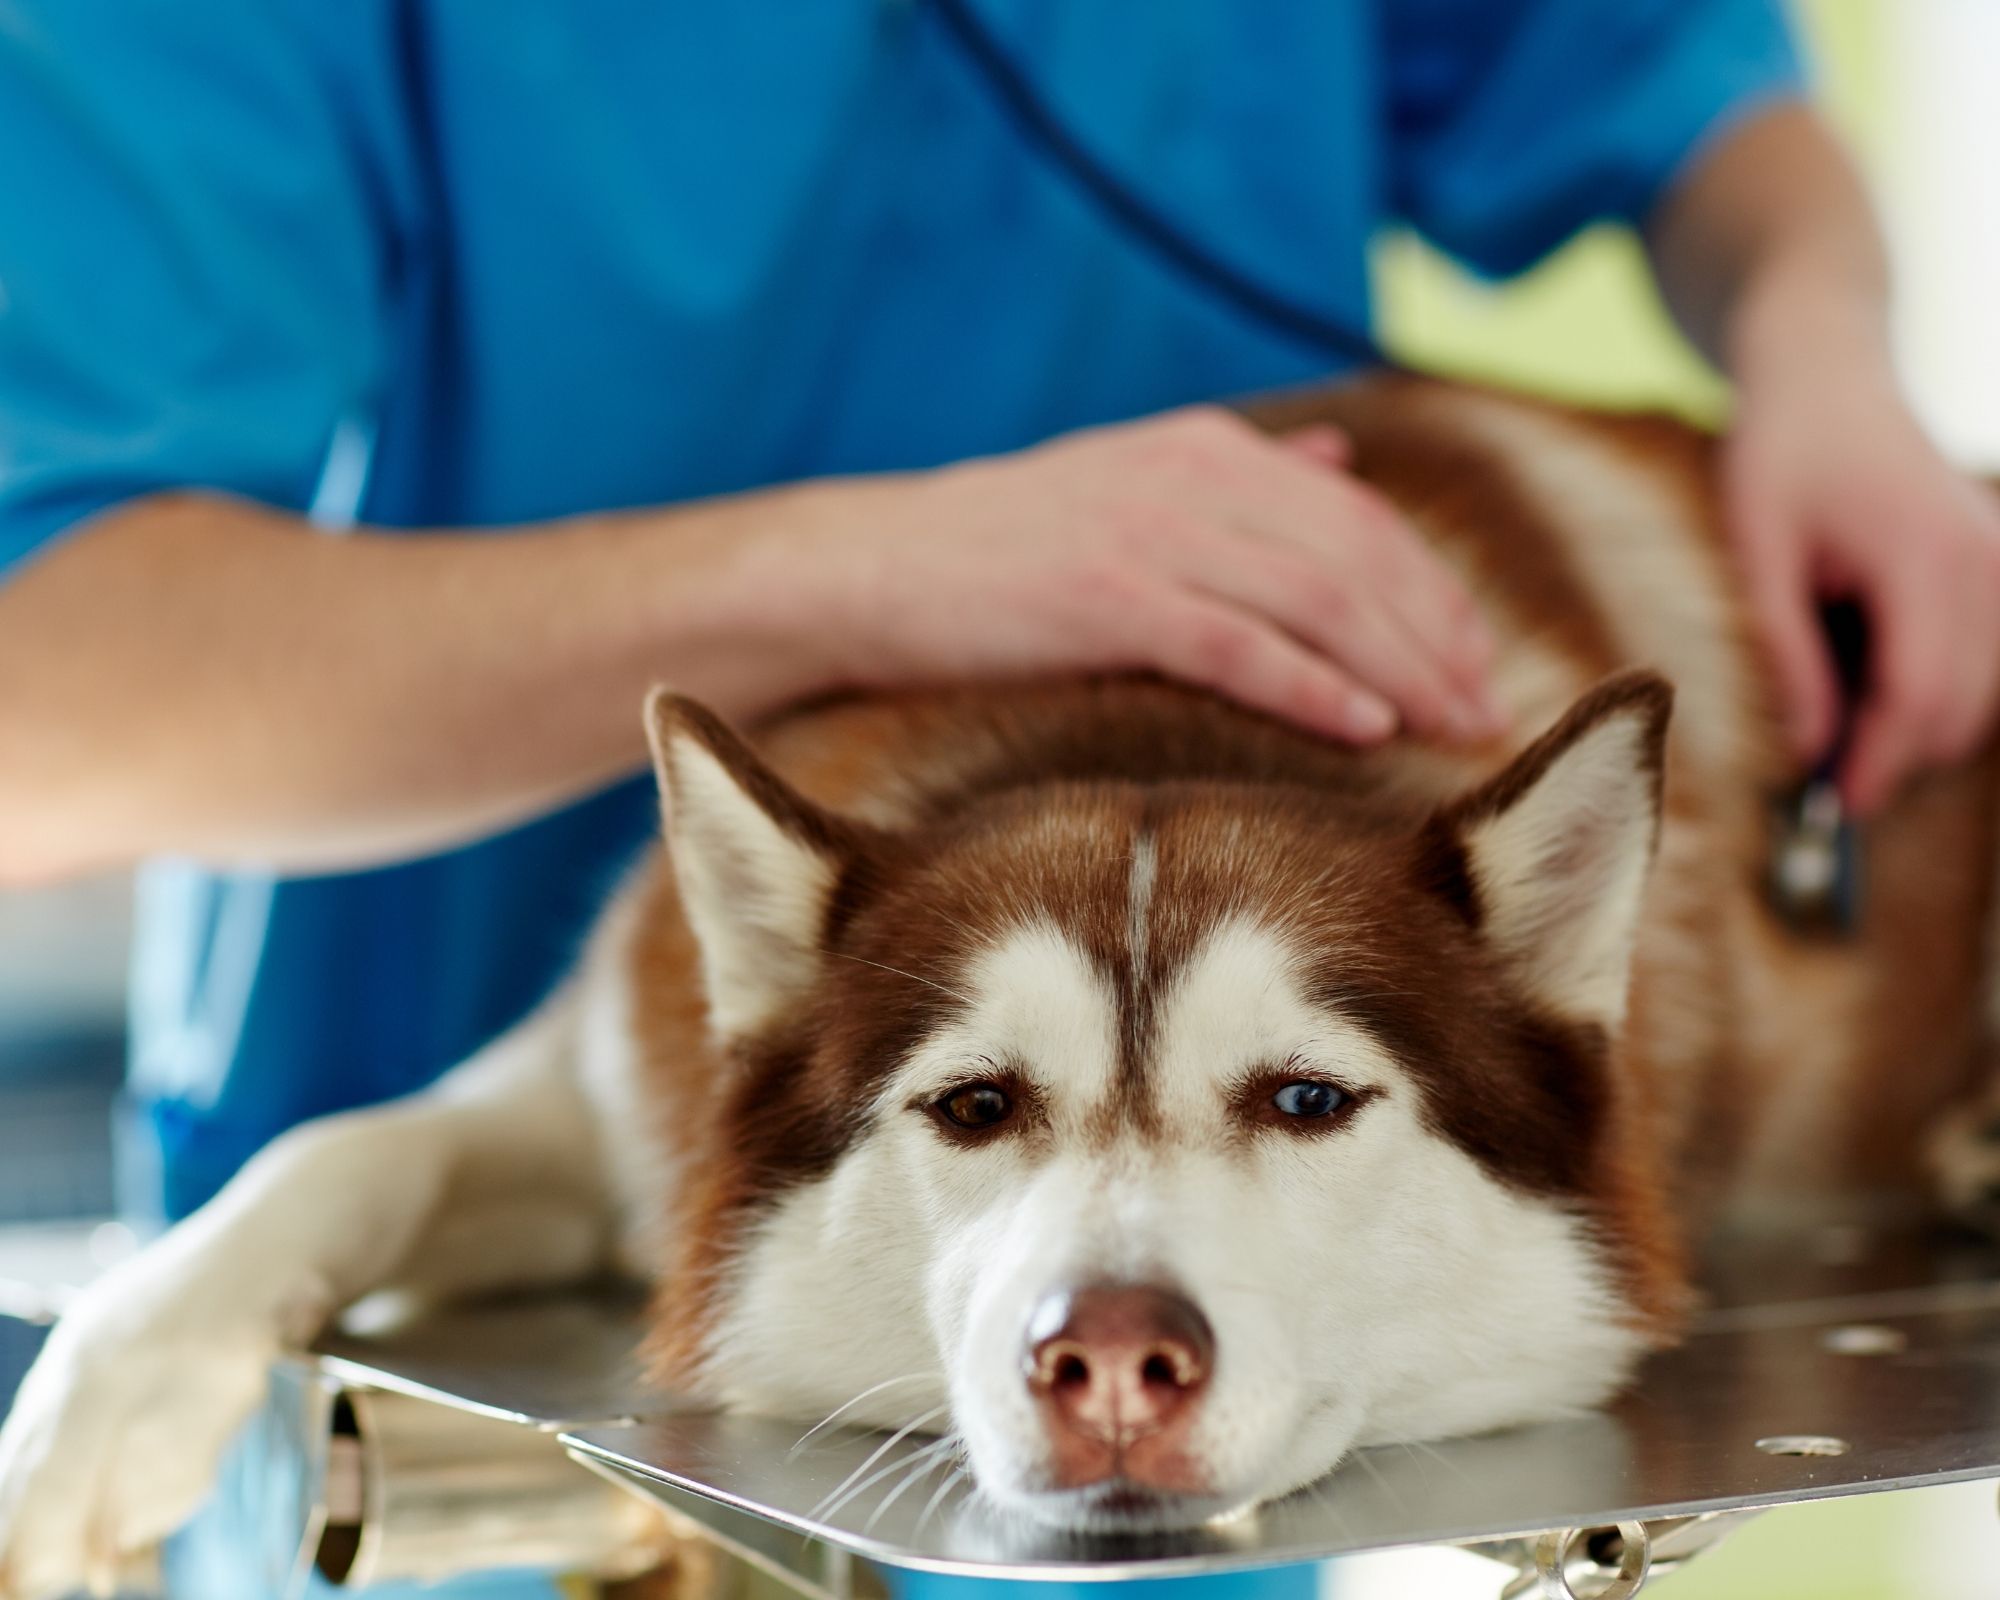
pixel 1835 1361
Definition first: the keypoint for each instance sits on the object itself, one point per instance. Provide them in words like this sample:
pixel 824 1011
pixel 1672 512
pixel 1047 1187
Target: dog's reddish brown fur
pixel 1755 1067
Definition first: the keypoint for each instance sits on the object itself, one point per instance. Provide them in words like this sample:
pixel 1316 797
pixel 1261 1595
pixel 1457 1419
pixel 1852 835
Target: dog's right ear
pixel 755 861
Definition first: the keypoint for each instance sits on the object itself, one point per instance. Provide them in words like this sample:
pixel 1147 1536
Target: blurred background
pixel 62 983
pixel 1913 84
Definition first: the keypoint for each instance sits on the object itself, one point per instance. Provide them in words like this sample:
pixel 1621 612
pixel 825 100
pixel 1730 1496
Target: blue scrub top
pixel 466 263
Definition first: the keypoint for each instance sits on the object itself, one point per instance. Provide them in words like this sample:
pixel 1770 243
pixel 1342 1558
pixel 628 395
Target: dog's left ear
pixel 755 861
pixel 1548 859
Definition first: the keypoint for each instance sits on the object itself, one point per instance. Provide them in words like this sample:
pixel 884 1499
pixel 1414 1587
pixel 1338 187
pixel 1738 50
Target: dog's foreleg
pixel 118 1429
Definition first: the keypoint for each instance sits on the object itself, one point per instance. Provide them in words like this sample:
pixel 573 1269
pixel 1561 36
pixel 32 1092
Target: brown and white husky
pixel 1164 1101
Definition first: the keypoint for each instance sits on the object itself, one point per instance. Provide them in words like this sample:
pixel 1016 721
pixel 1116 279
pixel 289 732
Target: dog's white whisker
pixel 1320 1491
pixel 846 1406
pixel 952 1480
pixel 886 1470
pixel 925 1462
pixel 1419 1447
pixel 1360 1459
pixel 838 1495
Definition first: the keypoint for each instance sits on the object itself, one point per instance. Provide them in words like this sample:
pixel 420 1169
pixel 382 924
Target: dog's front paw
pixel 117 1431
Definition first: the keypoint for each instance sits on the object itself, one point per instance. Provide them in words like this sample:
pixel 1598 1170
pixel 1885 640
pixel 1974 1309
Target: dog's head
pixel 1168 1141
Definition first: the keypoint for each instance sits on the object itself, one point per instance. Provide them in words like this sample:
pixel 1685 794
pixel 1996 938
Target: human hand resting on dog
pixel 1191 544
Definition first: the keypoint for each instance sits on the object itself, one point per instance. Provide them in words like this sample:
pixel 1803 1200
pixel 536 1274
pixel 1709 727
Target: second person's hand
pixel 1835 492
pixel 1190 544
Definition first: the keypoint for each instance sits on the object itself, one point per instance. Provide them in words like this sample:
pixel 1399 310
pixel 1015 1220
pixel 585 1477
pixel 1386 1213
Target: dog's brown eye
pixel 977 1105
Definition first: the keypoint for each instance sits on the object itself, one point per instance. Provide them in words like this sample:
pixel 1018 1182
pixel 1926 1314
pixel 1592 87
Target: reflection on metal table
pixel 1830 1362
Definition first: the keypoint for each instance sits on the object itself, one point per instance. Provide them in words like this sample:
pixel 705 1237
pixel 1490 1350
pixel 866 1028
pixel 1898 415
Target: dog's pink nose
pixel 1116 1369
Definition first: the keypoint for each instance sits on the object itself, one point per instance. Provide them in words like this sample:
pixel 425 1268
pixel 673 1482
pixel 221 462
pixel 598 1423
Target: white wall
pixel 62 959
pixel 1939 184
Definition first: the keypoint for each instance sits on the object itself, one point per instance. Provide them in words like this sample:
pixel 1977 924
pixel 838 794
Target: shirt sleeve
pixel 193 257
pixel 1514 123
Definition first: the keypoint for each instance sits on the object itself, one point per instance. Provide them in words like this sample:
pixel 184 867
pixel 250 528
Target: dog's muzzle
pixel 1118 1372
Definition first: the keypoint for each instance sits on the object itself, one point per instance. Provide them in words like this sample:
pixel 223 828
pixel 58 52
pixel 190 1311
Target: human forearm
pixel 203 675
pixel 1769 255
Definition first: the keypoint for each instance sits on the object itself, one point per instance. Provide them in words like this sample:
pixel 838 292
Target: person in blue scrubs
pixel 390 391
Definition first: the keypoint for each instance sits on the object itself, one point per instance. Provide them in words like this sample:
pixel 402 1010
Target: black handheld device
pixel 1817 861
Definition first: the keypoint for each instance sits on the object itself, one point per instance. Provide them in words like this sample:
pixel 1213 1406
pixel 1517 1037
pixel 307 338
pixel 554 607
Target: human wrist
pixel 1802 323
pixel 744 611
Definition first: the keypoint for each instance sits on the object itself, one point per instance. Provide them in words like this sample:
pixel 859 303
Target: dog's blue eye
pixel 1308 1099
